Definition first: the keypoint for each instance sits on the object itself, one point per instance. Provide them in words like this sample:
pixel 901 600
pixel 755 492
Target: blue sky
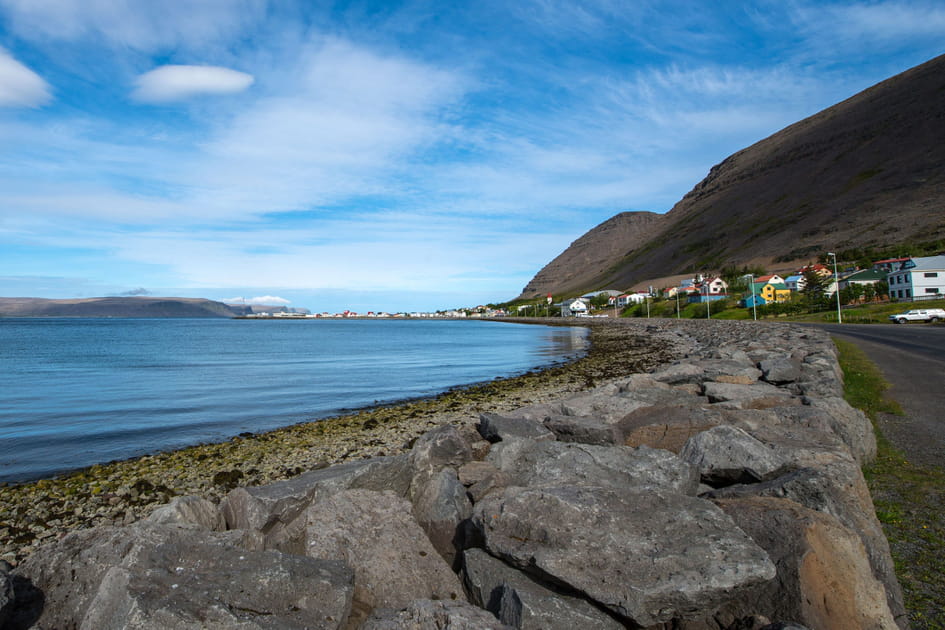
pixel 387 155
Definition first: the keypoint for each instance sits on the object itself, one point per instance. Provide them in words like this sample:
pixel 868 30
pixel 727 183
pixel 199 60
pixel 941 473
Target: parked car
pixel 919 315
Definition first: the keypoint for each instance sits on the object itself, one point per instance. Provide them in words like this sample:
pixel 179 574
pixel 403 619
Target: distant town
pixel 906 279
pixel 900 279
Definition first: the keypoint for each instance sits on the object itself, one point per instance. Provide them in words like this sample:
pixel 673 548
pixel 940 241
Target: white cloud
pixel 177 83
pixel 133 24
pixel 267 300
pixel 20 86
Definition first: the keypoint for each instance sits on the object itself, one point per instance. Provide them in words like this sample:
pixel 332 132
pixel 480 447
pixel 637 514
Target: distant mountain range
pixel 868 172
pixel 114 307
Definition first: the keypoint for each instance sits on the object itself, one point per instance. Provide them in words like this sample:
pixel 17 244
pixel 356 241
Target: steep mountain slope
pixel 593 254
pixel 113 307
pixel 868 171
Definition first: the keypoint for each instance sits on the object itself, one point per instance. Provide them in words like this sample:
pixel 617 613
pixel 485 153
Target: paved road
pixel 912 358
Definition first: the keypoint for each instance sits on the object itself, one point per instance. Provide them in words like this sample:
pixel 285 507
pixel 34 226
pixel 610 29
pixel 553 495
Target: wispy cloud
pixel 134 25
pixel 20 86
pixel 177 82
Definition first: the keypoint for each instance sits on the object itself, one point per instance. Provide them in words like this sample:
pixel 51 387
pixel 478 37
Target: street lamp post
pixel 751 285
pixel 836 285
pixel 678 316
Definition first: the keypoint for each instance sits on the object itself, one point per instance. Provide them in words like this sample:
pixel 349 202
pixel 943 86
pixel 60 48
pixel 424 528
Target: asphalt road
pixel 912 358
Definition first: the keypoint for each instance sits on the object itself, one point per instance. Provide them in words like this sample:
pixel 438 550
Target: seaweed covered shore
pixel 124 491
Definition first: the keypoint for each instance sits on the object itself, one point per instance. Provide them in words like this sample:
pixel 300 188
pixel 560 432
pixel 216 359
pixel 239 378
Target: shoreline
pixel 121 492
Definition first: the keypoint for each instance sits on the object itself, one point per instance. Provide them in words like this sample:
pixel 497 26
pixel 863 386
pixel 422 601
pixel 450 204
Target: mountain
pixel 594 253
pixel 114 307
pixel 867 172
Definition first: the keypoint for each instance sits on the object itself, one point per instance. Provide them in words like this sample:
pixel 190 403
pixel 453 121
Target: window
pixel 908 293
pixel 934 290
pixel 931 274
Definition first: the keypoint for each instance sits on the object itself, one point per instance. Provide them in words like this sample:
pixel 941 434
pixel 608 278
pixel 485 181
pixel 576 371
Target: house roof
pixel 794 278
pixel 928 262
pixel 765 279
pixel 866 275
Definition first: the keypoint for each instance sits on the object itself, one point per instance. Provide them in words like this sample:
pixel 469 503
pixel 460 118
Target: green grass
pixel 907 498
pixel 877 313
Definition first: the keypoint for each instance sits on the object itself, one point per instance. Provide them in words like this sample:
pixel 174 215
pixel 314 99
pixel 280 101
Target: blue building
pixel 752 300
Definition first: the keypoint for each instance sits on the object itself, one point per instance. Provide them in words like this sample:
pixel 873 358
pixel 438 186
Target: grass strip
pixel 907 497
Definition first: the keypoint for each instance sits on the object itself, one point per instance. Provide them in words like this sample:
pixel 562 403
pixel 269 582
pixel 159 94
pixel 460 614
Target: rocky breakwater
pixel 720 491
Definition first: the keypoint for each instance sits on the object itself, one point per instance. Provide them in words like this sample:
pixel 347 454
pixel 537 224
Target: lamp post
pixel 678 316
pixel 751 285
pixel 836 285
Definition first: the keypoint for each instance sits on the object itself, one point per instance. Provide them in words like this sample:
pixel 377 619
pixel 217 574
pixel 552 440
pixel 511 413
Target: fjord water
pixel 75 392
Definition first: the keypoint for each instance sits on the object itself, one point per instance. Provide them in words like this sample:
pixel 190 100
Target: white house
pixel 631 298
pixel 919 279
pixel 713 286
pixel 574 308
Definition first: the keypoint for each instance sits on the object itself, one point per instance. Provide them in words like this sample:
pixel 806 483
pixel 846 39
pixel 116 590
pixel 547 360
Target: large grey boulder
pixel 523 603
pixel 780 370
pixel 441 507
pixel 835 487
pixel 823 579
pixel 755 396
pixel 496 428
pixel 376 534
pixel 740 370
pixel 648 556
pixel 427 614
pixel 529 463
pixel 679 373
pixel 610 407
pixel 270 509
pixel 726 455
pixel 439 448
pixel 666 427
pixel 150 575
pixel 190 511
pixel 852 425
pixel 583 429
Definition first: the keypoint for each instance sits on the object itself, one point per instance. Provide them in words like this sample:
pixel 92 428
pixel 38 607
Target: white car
pixel 919 315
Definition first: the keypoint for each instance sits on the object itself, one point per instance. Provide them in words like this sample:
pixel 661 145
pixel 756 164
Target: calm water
pixel 74 392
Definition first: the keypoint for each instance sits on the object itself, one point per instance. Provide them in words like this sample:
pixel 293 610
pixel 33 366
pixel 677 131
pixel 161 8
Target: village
pixel 906 279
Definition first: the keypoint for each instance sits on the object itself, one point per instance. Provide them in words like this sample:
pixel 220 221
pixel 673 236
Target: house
pixel 752 300
pixel 889 264
pixel 795 282
pixel 920 278
pixel 772 292
pixel 627 299
pixel 713 286
pixel 574 308
pixel 863 278
pixel 772 278
pixel 821 270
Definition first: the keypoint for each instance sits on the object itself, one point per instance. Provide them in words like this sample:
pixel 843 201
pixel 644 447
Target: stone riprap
pixel 720 489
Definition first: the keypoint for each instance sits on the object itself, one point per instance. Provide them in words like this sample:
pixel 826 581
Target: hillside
pixel 594 253
pixel 114 307
pixel 865 172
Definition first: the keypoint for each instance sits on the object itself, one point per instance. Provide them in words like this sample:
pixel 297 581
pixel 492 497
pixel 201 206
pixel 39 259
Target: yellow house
pixel 773 292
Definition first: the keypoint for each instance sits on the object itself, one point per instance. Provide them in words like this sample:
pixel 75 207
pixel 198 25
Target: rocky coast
pixel 682 475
